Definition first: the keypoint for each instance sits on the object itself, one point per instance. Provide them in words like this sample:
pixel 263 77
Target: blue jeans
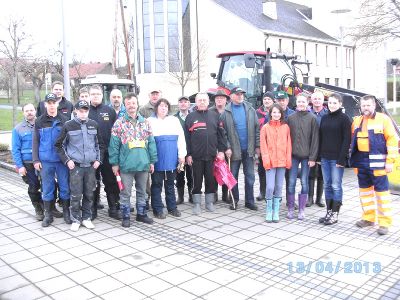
pixel 158 178
pixel 305 170
pixel 249 177
pixel 48 173
pixel 275 178
pixel 140 178
pixel 332 180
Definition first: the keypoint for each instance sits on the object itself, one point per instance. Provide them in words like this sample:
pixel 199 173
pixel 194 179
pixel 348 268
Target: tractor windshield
pixel 235 73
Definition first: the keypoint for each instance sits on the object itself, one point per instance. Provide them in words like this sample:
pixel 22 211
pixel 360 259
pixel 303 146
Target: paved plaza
pixel 222 255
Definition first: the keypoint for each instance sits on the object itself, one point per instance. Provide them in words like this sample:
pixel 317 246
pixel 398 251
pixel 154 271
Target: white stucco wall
pixel 222 31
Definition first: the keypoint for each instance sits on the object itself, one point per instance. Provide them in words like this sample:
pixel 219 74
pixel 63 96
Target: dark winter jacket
pixel 65 108
pixel 304 132
pixel 335 137
pixel 46 132
pixel 105 117
pixel 80 143
pixel 253 131
pixel 204 134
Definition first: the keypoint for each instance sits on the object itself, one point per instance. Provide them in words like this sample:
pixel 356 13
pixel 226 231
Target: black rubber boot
pixel 328 211
pixel 54 211
pixel 113 212
pixel 225 197
pixel 126 216
pixel 190 194
pixel 66 213
pixel 311 186
pixel 334 215
pixel 37 205
pixel 320 190
pixel 263 183
pixel 48 216
pixel 96 199
pixel 181 192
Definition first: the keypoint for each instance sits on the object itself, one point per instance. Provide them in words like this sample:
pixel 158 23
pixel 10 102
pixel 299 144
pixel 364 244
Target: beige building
pixel 208 27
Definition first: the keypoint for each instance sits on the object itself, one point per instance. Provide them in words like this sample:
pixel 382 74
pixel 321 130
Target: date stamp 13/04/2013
pixel 330 267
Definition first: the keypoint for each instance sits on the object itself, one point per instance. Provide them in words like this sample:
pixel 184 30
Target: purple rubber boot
pixel 290 204
pixel 302 205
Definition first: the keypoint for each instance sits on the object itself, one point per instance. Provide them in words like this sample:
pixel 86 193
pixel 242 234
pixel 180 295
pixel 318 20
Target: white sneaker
pixel 75 226
pixel 88 224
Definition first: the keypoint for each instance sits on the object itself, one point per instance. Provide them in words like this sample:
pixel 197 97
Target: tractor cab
pixel 109 82
pixel 256 72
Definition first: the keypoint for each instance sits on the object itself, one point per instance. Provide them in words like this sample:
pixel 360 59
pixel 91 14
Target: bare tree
pixel 180 63
pixel 57 64
pixel 379 21
pixel 36 71
pixel 76 66
pixel 15 47
pixel 6 73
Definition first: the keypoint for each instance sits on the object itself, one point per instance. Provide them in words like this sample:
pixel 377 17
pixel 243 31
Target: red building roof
pixel 83 70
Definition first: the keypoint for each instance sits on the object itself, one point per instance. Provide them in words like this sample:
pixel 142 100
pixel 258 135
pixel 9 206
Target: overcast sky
pixel 89 25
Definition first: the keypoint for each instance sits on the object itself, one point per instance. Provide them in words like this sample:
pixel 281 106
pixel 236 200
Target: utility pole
pixel 115 40
pixel 198 51
pixel 394 63
pixel 15 76
pixel 67 88
pixel 128 61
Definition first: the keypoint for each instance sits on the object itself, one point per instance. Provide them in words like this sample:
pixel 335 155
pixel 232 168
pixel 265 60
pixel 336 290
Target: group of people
pixel 70 148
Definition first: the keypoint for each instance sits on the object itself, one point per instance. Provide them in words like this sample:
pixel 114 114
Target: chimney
pixel 269 9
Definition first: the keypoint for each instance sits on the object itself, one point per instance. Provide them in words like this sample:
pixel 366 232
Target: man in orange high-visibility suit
pixel 374 149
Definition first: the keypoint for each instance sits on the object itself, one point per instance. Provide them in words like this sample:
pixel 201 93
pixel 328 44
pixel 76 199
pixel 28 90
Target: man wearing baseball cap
pixel 243 134
pixel 184 106
pixel 81 149
pixel 46 160
pixel 282 98
pixel 220 99
pixel 148 109
pixel 65 106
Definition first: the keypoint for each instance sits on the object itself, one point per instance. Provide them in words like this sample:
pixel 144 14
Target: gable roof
pixel 291 18
pixel 83 70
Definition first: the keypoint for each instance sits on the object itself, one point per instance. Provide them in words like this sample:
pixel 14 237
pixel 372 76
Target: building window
pixel 347 58
pixel 326 56
pixel 327 80
pixel 159 36
pixel 146 38
pixel 280 46
pixel 293 47
pixel 305 80
pixel 336 81
pixel 316 54
pixel 174 41
pixel 316 80
pixel 305 51
pixel 349 84
pixel 186 38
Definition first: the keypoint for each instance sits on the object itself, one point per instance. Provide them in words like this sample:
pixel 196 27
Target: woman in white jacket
pixel 171 150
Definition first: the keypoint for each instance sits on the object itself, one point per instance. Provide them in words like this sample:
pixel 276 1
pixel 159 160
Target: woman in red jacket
pixel 276 151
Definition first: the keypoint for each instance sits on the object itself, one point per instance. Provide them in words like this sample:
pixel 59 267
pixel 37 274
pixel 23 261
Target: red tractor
pixel 259 71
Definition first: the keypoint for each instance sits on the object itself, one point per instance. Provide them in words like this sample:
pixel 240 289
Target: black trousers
pixel 203 169
pixel 180 178
pixel 108 177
